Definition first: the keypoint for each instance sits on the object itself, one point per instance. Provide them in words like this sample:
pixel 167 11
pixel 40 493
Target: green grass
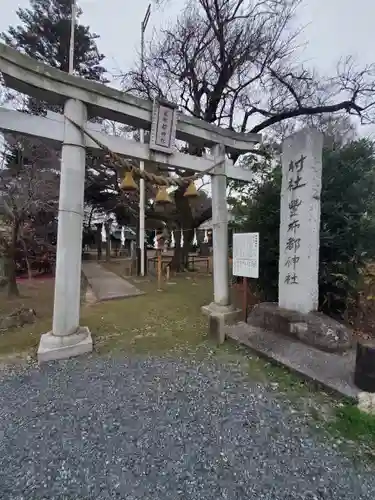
pixel 38 295
pixel 354 425
pixel 155 322
pixel 35 294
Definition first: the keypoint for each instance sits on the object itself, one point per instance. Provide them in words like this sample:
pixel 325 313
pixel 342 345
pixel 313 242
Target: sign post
pixel 159 269
pixel 245 260
pixel 159 249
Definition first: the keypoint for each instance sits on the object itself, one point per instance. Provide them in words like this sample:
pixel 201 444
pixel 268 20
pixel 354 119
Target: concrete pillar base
pixel 54 347
pixel 219 317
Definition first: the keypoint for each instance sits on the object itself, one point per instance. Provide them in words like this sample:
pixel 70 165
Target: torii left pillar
pixel 220 312
pixel 67 338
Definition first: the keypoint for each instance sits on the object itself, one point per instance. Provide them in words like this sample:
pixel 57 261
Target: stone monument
pixel 296 313
pixel 300 221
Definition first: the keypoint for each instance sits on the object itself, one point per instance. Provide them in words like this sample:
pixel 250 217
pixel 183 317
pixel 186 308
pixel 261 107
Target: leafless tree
pixel 234 63
pixel 29 183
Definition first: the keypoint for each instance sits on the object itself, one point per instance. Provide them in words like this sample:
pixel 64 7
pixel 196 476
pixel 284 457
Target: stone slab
pixel 315 328
pixel 332 371
pixel 53 347
pixel 107 285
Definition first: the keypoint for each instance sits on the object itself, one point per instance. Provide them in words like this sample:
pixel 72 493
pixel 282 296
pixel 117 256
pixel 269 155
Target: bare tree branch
pixel 233 63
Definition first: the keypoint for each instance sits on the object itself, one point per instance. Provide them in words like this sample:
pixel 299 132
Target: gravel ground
pixel 107 428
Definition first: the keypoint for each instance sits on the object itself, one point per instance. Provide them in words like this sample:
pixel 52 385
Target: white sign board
pixel 246 255
pixel 163 126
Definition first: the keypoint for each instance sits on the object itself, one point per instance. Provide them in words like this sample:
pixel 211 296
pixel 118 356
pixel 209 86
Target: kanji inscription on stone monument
pixel 300 221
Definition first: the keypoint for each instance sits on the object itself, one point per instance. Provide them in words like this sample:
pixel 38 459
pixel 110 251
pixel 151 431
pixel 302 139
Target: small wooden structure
pixel 364 375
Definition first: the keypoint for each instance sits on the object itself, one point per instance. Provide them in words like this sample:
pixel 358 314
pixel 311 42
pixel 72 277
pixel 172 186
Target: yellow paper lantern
pixel 162 196
pixel 191 191
pixel 128 183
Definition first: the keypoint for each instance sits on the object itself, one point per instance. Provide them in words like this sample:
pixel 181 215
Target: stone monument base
pixel 53 347
pixel 314 328
pixel 219 317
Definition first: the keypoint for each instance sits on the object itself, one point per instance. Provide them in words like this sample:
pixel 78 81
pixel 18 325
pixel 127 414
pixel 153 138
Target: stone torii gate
pixel 82 100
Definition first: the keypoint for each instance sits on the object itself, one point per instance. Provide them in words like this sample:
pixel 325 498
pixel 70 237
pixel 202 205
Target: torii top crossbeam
pixel 26 75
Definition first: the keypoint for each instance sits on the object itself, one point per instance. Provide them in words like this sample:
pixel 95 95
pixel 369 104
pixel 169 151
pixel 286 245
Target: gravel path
pixel 101 428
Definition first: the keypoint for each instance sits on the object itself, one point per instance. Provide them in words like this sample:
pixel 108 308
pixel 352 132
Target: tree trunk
pixel 181 256
pixel 188 239
pixel 12 276
pixel 28 265
pixel 3 267
pixel 90 217
pixel 99 240
pixel 29 272
pixel 176 262
pixel 108 243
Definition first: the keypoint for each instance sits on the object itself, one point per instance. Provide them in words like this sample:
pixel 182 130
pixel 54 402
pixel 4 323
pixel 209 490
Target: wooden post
pixel 99 240
pixel 133 257
pixel 108 241
pixel 210 263
pixel 364 376
pixel 159 270
pixel 244 284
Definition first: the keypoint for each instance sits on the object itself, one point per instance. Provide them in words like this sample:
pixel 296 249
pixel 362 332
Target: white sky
pixel 334 28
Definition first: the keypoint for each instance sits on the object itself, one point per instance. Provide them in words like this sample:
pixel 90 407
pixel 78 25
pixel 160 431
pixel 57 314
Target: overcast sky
pixel 334 28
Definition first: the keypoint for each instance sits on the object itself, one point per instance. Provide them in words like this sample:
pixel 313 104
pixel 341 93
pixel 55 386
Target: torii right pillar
pixel 220 312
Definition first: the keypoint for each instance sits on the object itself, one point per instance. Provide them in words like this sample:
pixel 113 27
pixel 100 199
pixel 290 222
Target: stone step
pixel 332 371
